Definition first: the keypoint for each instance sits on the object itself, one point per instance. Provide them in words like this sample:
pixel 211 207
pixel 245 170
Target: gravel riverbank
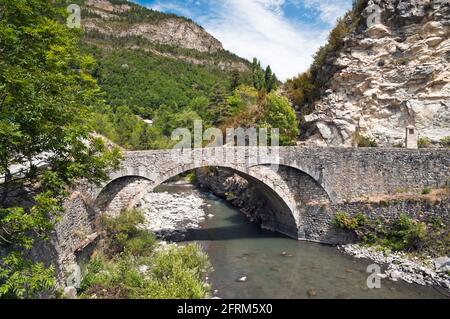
pixel 171 216
pixel 400 266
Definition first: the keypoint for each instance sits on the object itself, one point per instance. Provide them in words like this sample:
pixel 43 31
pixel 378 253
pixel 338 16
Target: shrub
pixel 363 141
pixel 120 229
pixel 191 177
pixel 445 142
pixel 403 60
pixel 407 234
pixel 177 273
pixel 141 244
pixel 344 221
pixel 139 270
pixel 424 142
pixel 402 234
pixel 426 191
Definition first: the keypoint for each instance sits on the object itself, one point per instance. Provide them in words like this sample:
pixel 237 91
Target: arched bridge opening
pixel 287 191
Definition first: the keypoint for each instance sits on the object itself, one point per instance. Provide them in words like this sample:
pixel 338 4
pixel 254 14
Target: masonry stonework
pixel 305 188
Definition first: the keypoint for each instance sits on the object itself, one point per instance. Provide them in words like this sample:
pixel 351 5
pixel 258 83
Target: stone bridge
pixel 300 183
pixel 305 188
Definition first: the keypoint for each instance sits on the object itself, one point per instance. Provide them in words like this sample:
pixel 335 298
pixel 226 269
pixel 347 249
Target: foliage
pixel 445 142
pixel 278 113
pixel 263 80
pixel 47 95
pixel 250 108
pixel 22 278
pixel 125 235
pixel 171 93
pixel 301 91
pixel 430 237
pixel 407 234
pixel 426 191
pixel 146 271
pixel 363 141
pixel 342 220
pixel 424 142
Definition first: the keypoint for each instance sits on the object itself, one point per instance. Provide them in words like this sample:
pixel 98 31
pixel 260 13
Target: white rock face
pixel 171 31
pixel 391 76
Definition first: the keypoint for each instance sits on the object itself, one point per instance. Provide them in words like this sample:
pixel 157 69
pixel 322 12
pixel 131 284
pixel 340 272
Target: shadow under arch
pixel 312 172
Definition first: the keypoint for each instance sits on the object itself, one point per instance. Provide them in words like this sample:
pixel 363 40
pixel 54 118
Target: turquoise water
pixel 280 267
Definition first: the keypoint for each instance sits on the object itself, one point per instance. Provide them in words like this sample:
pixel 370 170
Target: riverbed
pixel 250 262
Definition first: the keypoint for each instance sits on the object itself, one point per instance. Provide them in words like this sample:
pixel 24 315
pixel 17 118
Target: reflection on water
pixel 280 267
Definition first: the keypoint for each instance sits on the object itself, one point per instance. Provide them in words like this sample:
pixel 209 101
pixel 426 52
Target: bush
pixel 178 272
pixel 362 141
pixel 445 142
pixel 344 221
pixel 139 270
pixel 426 191
pixel 403 234
pixel 424 142
pixel 174 272
pixel 407 234
pixel 119 230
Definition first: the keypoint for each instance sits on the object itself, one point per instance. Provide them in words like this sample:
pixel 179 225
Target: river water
pixel 279 267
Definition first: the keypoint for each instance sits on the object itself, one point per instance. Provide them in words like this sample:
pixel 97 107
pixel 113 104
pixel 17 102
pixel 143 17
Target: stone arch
pixel 313 171
pixel 285 192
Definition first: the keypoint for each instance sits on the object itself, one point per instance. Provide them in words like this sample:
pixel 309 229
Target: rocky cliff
pixel 170 31
pixel 163 34
pixel 391 75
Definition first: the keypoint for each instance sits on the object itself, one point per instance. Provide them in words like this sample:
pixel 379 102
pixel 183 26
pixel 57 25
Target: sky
pixel 284 34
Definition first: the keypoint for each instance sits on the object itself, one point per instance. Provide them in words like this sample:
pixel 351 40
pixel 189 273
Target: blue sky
pixel 282 33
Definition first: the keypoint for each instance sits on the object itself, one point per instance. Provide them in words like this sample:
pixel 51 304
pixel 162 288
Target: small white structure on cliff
pixel 411 137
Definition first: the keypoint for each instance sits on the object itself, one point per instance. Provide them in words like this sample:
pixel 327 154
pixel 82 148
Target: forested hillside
pixel 166 70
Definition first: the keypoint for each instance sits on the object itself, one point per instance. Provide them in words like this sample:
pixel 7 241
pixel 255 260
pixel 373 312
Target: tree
pixel 258 75
pixel 271 80
pixel 279 114
pixel 218 107
pixel 47 95
pixel 263 80
pixel 235 80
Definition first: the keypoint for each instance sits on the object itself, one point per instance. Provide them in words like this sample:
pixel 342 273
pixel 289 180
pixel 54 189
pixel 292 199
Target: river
pixel 275 266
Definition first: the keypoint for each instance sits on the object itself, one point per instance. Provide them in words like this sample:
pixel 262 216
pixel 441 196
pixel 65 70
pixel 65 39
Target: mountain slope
pixel 155 66
pixel 381 79
pixel 162 34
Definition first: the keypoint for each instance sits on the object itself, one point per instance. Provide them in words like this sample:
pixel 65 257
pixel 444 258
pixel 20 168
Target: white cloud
pixel 164 7
pixel 258 28
pixel 329 10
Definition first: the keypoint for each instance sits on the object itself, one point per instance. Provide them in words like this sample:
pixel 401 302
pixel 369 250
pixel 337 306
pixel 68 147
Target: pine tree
pixel 218 107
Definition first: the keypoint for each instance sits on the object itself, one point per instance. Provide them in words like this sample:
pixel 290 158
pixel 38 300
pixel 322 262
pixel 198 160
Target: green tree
pixel 270 80
pixel 47 95
pixel 218 107
pixel 258 75
pixel 279 114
